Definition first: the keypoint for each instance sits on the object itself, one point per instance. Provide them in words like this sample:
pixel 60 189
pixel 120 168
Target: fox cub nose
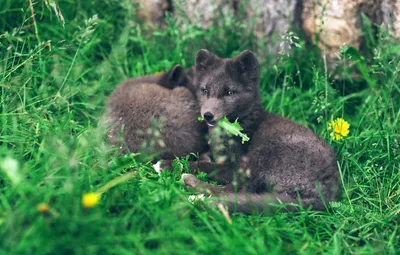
pixel 208 116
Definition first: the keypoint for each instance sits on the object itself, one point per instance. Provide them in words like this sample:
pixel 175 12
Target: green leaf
pixel 233 128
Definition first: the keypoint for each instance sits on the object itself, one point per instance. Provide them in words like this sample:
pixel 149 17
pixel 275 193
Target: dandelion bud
pixel 90 200
pixel 43 208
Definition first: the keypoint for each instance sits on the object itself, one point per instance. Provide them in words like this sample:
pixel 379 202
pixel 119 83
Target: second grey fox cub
pixel 284 161
pixel 164 99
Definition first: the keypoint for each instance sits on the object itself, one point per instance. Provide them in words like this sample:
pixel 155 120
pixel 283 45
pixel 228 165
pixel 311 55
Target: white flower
pixel 11 167
pixel 195 198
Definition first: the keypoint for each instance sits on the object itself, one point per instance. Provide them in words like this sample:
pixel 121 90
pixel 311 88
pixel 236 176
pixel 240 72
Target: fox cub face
pixel 226 86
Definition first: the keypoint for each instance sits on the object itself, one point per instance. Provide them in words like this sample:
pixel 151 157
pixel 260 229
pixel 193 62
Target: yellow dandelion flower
pixel 340 129
pixel 43 208
pixel 90 200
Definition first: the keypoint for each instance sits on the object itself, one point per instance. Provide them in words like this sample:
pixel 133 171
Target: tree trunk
pixel 270 17
pixel 332 23
pixel 152 12
pixel 327 23
pixel 391 16
pixel 266 18
pixel 202 12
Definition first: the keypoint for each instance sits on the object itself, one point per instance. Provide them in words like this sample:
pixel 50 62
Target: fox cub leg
pixel 194 183
pixel 221 173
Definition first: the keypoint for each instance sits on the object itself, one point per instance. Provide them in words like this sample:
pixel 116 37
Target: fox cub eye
pixel 204 91
pixel 230 93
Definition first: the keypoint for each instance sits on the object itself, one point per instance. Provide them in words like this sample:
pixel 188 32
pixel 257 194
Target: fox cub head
pixel 226 86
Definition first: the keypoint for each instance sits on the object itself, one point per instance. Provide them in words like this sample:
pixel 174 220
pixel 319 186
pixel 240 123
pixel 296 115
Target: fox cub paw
pixel 190 180
pixel 163 165
pixel 157 167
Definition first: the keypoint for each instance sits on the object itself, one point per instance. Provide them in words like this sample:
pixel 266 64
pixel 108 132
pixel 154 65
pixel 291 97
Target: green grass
pixel 54 82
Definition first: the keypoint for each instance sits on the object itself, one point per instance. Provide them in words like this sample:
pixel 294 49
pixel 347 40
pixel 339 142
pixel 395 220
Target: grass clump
pixel 56 70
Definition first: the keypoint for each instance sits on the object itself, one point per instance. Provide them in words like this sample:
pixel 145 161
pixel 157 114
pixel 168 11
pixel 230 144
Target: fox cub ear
pixel 247 64
pixel 246 61
pixel 177 75
pixel 204 59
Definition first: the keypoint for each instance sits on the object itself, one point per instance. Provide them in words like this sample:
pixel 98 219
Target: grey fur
pixel 283 161
pixel 137 102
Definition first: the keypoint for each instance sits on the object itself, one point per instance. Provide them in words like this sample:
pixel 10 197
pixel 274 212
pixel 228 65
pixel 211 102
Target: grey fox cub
pixel 164 99
pixel 284 161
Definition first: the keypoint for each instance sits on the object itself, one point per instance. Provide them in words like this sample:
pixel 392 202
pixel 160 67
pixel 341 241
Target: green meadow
pixel 56 71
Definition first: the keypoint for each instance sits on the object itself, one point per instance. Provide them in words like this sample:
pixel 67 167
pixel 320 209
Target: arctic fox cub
pixel 283 161
pixel 161 99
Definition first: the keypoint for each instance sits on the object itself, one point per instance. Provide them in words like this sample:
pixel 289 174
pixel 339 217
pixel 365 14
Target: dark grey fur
pixel 165 98
pixel 284 161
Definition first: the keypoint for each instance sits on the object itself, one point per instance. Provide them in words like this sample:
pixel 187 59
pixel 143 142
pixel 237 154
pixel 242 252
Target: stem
pixel 116 181
pixel 69 69
pixel 34 21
